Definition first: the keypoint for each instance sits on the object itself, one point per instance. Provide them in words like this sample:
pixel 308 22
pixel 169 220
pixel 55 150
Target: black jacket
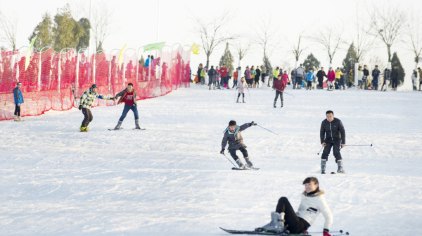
pixel 321 74
pixel 376 73
pixel 234 139
pixel 332 131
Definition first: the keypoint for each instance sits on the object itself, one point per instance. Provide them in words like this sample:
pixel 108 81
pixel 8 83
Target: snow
pixel 171 180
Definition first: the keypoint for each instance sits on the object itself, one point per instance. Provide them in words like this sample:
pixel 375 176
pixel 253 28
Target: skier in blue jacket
pixel 18 98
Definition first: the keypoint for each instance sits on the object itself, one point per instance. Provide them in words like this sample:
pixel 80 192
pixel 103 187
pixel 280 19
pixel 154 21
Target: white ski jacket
pixel 312 205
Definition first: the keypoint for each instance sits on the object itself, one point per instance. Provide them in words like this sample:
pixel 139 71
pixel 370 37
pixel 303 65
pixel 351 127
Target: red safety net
pixel 52 80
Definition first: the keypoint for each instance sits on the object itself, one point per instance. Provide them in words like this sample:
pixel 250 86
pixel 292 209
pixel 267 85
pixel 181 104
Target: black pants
pixel 241 149
pixel 234 83
pixel 394 83
pixel 295 224
pixel 17 110
pixel 243 95
pixel 278 93
pixel 309 85
pixel 336 150
pixel 320 82
pixel 87 117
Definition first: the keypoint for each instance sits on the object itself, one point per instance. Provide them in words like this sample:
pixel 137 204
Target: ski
pixel 253 232
pixel 115 129
pixel 139 129
pixel 237 168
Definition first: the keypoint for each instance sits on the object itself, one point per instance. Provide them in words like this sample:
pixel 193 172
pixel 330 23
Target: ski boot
pixel 276 224
pixel 240 164
pixel 275 106
pixel 323 165
pixel 340 169
pixel 137 124
pixel 118 126
pixel 84 129
pixel 248 163
pixel 237 101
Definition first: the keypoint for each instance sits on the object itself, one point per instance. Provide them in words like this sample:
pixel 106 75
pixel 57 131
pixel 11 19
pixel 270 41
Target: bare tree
pixel 100 24
pixel 330 40
pixel 362 40
pixel 297 49
pixel 8 31
pixel 242 50
pixel 414 37
pixel 386 24
pixel 212 34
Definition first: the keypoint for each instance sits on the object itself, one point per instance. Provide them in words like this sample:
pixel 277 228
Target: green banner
pixel 154 46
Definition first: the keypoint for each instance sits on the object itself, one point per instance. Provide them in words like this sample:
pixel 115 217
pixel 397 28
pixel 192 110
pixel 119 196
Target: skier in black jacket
pixel 332 135
pixel 232 135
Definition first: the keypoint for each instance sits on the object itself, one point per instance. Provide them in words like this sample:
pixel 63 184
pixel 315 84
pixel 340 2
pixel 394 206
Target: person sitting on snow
pixel 311 205
pixel 232 135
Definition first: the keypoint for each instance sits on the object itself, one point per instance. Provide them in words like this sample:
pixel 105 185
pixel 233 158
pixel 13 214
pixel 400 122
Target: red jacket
pixel 331 75
pixel 223 72
pixel 279 85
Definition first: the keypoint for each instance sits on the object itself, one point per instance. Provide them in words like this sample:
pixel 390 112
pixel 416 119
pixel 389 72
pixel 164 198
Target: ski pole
pixel 339 232
pixel 267 130
pixel 359 145
pixel 229 160
pixel 320 150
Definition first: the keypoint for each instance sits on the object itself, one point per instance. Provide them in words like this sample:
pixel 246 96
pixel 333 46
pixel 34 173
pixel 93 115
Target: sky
pixel 137 23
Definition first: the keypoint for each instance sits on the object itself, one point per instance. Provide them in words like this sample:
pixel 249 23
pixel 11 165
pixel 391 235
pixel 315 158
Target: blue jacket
pixel 309 76
pixel 17 96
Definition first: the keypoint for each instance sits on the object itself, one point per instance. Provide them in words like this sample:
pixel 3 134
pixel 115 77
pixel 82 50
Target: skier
pixel 241 89
pixel 279 86
pixel 87 99
pixel 311 205
pixel 387 79
pixel 18 98
pixel 233 136
pixel 128 96
pixel 300 75
pixel 332 135
pixel 310 77
pixel 212 74
pixel 331 77
pixel 320 75
pixel 375 76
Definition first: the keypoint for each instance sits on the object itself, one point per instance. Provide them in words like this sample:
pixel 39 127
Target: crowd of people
pixel 300 78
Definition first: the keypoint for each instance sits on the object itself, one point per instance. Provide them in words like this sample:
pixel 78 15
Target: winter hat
pixel 232 122
pixel 93 86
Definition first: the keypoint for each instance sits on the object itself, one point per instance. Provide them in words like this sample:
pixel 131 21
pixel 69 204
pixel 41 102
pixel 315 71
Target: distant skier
pixel 87 99
pixel 233 136
pixel 332 135
pixel 311 205
pixel 279 86
pixel 18 98
pixel 241 89
pixel 128 96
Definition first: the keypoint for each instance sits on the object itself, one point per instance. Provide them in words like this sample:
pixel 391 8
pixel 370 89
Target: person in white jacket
pixel 312 204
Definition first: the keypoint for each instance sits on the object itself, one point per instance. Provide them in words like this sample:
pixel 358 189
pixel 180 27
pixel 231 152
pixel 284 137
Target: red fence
pixel 50 77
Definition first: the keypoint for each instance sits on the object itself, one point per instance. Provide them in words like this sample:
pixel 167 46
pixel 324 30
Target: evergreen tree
pixel 351 58
pixel 44 33
pixel 396 64
pixel 311 62
pixel 267 65
pixel 227 59
pixel 82 33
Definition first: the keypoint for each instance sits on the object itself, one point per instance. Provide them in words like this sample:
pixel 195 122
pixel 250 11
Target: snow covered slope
pixel 171 179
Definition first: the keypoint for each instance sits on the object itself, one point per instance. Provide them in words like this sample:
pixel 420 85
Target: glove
pixel 80 107
pixel 253 123
pixel 222 151
pixel 326 233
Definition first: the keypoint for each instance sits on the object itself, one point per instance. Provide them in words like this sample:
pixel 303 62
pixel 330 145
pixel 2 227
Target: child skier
pixel 128 96
pixel 87 99
pixel 18 98
pixel 311 205
pixel 232 135
pixel 241 89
